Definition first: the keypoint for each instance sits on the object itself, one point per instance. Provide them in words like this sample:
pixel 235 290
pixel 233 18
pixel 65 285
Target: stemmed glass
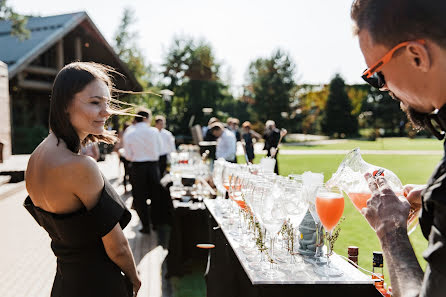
pixel 296 207
pixel 311 182
pixel 273 216
pixel 329 207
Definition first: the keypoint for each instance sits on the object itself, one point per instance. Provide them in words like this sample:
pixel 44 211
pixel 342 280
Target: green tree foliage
pixel 272 84
pixel 338 119
pixel 311 101
pixel 128 50
pixel 18 21
pixel 380 111
pixel 190 70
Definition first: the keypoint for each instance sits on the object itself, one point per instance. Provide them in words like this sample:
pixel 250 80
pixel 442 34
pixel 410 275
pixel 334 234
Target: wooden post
pixel 5 112
pixel 60 59
pixel 77 49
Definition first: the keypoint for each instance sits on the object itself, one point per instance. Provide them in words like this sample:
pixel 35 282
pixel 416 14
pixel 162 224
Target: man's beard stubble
pixel 416 118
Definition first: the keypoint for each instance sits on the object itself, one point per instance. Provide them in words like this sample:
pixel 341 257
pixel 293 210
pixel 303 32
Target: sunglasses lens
pixel 376 80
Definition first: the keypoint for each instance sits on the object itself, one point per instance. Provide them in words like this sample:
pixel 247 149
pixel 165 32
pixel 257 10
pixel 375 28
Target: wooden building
pixel 33 64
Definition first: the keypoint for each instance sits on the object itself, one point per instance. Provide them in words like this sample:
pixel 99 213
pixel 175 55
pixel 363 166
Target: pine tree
pixel 337 118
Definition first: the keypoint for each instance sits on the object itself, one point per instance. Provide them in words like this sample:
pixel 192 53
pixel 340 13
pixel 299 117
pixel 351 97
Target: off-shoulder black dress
pixel 83 267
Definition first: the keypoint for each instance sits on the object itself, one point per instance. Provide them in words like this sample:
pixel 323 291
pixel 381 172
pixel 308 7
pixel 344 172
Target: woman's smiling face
pixel 89 109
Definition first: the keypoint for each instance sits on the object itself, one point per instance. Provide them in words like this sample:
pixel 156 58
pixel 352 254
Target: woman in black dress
pixel 70 198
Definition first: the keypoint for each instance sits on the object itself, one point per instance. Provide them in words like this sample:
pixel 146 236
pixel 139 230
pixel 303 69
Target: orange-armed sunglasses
pixel 375 77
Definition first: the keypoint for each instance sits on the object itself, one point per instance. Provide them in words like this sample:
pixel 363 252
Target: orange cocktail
pixel 329 207
pixel 359 199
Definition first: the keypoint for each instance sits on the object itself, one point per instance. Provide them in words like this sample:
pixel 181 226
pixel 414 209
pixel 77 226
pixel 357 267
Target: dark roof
pixel 45 32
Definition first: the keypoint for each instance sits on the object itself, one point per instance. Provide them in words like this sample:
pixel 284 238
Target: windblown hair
pixel 390 22
pixel 72 79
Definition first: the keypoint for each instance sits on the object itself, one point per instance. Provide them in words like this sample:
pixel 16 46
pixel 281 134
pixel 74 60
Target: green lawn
pixel 414 169
pixel 397 143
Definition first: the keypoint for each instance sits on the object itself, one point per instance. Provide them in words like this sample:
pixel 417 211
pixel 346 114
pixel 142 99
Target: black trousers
pixel 145 180
pixel 163 164
pixel 126 171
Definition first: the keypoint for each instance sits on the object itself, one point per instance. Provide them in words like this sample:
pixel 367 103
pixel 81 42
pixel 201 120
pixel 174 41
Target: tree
pixel 380 111
pixel 310 103
pixel 190 70
pixel 128 51
pixel 272 81
pixel 338 118
pixel 18 21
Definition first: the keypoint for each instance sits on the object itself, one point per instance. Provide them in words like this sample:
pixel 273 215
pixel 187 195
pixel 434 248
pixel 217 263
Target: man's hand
pixel 385 211
pixel 413 195
pixel 273 151
pixel 283 132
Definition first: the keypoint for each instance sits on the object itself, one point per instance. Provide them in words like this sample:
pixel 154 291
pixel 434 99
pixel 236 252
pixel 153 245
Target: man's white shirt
pixel 226 146
pixel 168 142
pixel 142 143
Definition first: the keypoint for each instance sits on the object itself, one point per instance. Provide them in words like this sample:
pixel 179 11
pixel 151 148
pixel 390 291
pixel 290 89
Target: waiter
pixel 142 145
pixel 168 142
pixel 226 142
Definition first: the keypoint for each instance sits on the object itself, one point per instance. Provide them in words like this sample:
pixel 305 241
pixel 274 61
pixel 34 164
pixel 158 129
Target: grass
pixel 396 143
pixel 415 169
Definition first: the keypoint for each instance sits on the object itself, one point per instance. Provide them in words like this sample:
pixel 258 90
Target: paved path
pixel 27 264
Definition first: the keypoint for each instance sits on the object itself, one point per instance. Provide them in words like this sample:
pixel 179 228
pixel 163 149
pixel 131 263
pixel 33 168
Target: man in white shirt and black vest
pixel 142 145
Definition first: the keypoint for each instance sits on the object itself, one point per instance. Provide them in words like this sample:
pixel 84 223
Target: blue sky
pixel 317 34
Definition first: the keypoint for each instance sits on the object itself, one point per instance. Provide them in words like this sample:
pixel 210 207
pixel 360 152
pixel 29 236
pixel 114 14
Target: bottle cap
pixel 378 260
pixel 353 250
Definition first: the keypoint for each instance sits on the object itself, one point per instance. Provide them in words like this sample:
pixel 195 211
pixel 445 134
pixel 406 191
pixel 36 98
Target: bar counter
pixel 229 274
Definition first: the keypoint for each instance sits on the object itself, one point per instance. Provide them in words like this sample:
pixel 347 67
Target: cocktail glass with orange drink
pixel 329 207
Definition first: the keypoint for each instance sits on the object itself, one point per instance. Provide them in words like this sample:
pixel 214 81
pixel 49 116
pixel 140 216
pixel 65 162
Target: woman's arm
pixel 118 250
pixel 87 184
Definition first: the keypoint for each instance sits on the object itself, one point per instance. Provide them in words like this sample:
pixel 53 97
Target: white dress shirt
pixel 226 146
pixel 168 142
pixel 142 143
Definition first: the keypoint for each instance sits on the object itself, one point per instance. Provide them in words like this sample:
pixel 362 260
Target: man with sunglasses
pixel 404 45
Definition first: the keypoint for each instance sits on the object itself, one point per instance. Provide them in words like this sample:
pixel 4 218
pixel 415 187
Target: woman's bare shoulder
pixel 85 179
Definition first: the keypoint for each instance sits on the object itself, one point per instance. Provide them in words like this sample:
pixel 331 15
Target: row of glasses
pixel 264 202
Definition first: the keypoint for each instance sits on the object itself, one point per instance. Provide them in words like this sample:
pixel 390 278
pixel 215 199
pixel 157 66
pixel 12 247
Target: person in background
pixel 233 125
pixel 208 136
pixel 142 145
pixel 247 137
pixel 119 148
pixel 70 197
pixel 271 137
pixel 226 142
pixel 168 143
pixel 404 46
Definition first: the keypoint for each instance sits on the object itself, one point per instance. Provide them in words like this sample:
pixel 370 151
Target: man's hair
pixel 213 120
pixel 216 126
pixel 143 114
pixel 390 22
pixel 270 123
pixel 160 118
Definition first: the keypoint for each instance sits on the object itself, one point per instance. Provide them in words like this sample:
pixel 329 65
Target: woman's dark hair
pixel 390 22
pixel 72 79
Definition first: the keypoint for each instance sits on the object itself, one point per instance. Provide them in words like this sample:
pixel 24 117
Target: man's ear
pixel 419 56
